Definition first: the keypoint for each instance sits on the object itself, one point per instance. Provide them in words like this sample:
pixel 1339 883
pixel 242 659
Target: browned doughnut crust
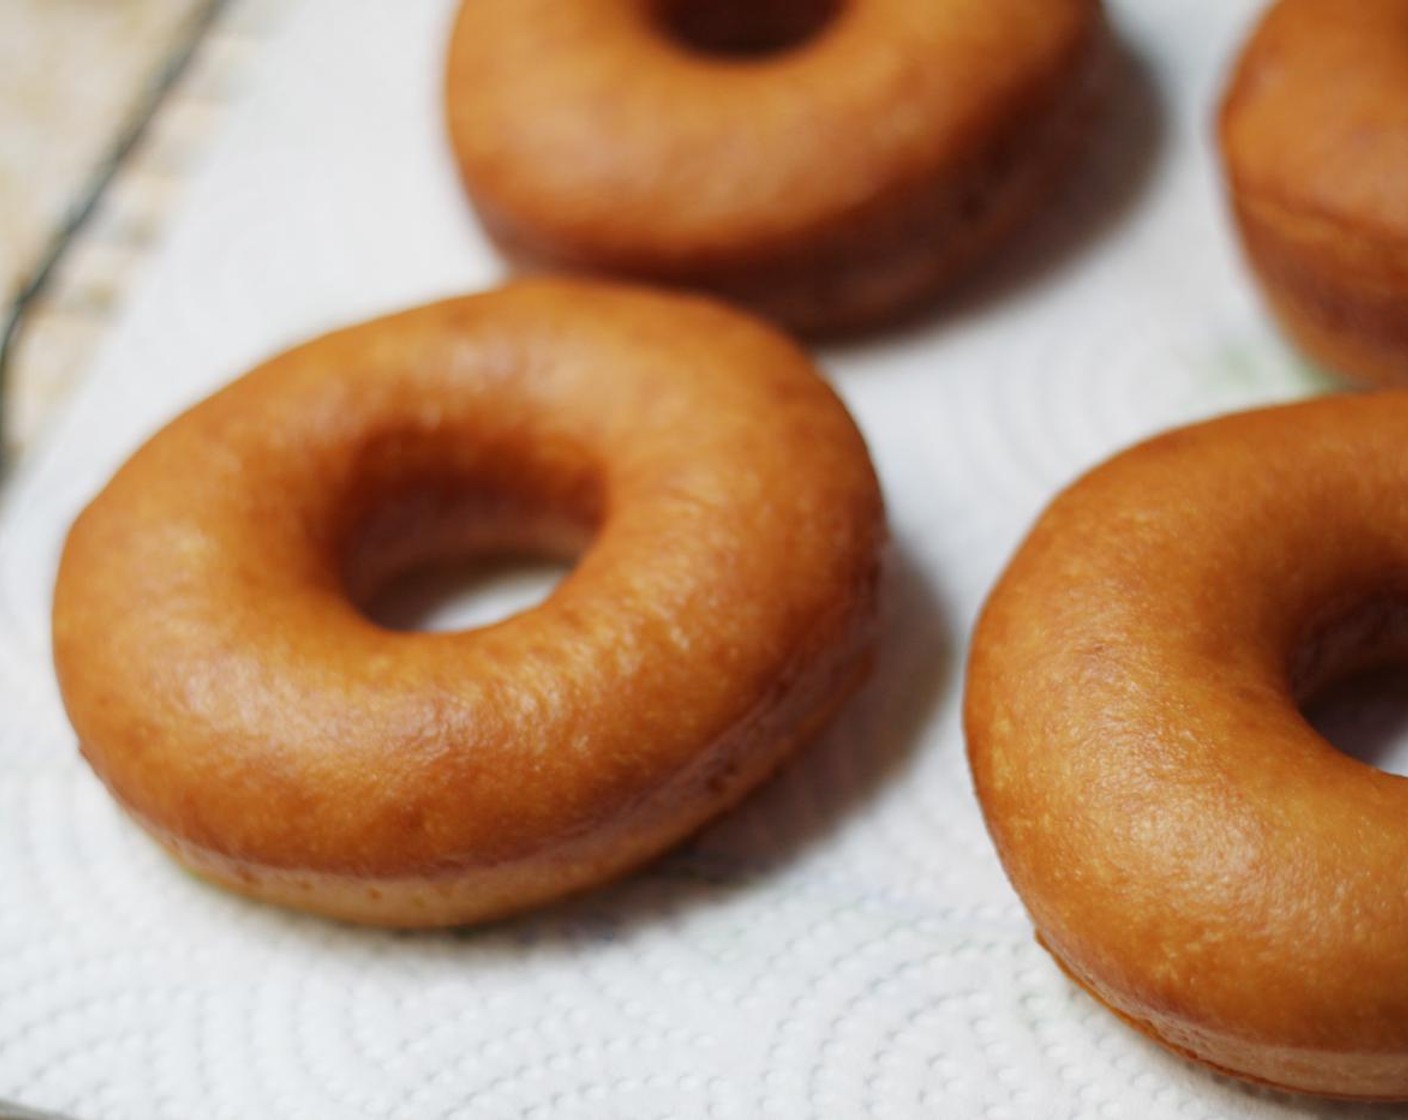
pixel 1314 133
pixel 1189 848
pixel 832 186
pixel 225 686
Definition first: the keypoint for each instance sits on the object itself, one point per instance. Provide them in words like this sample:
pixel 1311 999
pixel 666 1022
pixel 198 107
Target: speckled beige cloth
pixel 71 74
pixel 74 75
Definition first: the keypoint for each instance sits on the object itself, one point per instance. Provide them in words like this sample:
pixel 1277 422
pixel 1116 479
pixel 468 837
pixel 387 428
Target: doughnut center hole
pixel 745 29
pixel 1365 715
pixel 464 593
pixel 1351 678
pixel 462 550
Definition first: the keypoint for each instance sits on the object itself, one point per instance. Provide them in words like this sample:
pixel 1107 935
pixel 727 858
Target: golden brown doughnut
pixel 726 525
pixel 1314 132
pixel 1190 850
pixel 829 163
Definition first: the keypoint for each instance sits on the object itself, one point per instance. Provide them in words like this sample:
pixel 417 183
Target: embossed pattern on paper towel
pixel 845 944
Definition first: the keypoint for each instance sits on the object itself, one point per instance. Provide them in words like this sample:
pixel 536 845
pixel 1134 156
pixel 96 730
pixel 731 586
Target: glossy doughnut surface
pixel 726 525
pixel 829 163
pixel 1314 132
pixel 1189 849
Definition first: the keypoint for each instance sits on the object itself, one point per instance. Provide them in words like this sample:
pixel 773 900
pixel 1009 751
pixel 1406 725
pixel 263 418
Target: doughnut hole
pixel 1350 678
pixel 744 29
pixel 464 594
pixel 435 543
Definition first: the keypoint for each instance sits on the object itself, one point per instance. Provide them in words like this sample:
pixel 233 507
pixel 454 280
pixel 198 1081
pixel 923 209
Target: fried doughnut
pixel 1190 850
pixel 828 163
pixel 1314 133
pixel 224 684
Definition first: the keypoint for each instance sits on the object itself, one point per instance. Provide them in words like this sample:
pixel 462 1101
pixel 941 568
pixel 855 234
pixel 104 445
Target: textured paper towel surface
pixel 843 945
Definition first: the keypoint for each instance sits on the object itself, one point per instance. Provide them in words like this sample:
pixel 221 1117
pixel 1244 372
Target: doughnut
pixel 831 164
pixel 215 662
pixel 1314 135
pixel 1189 849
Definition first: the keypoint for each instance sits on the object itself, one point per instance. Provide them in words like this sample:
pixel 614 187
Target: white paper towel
pixel 843 945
